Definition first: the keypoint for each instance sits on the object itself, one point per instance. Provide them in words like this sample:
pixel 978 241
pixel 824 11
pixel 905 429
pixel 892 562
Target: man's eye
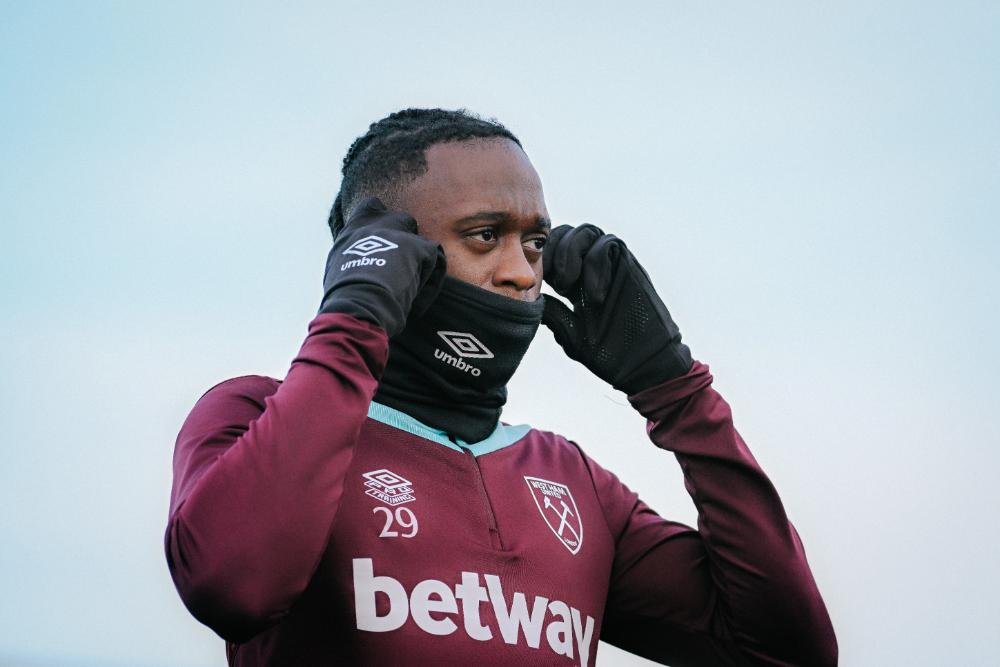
pixel 536 243
pixel 487 235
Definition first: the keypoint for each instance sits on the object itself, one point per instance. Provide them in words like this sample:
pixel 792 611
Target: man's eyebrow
pixel 501 217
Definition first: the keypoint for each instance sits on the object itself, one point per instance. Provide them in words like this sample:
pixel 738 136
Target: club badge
pixel 556 505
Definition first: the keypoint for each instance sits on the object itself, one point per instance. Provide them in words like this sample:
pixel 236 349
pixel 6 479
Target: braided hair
pixel 391 154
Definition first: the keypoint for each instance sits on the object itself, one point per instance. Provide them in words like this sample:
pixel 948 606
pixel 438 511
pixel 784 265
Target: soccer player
pixel 372 509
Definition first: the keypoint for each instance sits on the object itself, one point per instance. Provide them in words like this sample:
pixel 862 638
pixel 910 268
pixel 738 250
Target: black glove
pixel 619 327
pixel 379 270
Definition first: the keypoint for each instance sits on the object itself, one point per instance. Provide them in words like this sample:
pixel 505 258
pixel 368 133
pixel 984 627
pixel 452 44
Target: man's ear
pixel 336 219
pixel 389 197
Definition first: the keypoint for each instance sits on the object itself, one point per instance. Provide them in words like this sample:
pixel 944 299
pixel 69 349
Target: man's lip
pixel 516 296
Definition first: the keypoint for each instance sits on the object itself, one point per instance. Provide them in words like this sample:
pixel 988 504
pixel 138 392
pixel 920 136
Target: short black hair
pixel 392 153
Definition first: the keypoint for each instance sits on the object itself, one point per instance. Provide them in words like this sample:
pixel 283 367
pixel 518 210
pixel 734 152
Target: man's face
pixel 482 201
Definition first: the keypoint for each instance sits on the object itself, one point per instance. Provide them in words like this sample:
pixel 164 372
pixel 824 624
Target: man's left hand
pixel 619 327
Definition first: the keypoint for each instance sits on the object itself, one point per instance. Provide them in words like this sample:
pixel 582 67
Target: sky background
pixel 813 187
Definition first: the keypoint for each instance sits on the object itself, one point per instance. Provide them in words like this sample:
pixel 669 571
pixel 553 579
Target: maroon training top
pixel 310 526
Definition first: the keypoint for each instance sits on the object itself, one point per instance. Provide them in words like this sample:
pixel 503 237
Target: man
pixel 371 508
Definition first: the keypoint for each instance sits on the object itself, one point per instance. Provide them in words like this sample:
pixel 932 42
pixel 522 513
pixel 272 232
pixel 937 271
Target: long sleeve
pixel 738 591
pixel 258 479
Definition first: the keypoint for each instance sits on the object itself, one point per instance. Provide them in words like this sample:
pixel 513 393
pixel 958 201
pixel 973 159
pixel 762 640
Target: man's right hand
pixel 379 270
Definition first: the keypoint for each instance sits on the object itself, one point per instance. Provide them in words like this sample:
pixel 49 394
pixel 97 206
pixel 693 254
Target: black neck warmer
pixel 449 368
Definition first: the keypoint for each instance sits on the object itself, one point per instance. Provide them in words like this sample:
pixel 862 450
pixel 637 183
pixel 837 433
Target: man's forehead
pixel 478 175
pixel 541 223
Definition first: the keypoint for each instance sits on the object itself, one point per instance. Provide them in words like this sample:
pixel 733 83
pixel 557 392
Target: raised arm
pixel 257 481
pixel 737 591
pixel 258 474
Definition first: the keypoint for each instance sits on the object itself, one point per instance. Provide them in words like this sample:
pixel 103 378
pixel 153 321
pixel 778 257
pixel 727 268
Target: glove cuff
pixel 363 302
pixel 669 363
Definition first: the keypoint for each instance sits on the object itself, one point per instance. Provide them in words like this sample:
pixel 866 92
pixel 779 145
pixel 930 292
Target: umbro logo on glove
pixel 370 245
pixel 364 247
pixel 369 292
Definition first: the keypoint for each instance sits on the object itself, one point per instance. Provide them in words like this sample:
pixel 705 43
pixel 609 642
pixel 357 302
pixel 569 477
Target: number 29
pixel 406 519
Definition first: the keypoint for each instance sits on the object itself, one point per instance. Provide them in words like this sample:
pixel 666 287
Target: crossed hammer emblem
pixel 564 523
pixel 557 497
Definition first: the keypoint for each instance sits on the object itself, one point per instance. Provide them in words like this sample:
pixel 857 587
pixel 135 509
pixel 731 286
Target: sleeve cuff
pixel 655 402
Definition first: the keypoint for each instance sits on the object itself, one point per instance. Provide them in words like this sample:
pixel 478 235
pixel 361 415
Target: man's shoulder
pixel 548 438
pixel 232 403
pixel 551 444
pixel 240 397
pixel 256 387
pixel 556 445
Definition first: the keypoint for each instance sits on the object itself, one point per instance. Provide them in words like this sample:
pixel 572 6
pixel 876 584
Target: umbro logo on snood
pixel 465 344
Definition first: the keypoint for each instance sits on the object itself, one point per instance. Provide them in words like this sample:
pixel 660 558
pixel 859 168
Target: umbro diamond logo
pixel 370 245
pixel 465 345
pixel 387 486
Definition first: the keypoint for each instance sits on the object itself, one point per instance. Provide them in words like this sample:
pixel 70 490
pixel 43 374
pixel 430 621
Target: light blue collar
pixel 502 436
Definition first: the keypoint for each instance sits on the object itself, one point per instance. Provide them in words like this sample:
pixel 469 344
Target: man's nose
pixel 514 269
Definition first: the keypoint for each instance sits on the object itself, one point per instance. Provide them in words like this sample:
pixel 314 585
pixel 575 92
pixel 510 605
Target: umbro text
pixel 456 362
pixel 364 261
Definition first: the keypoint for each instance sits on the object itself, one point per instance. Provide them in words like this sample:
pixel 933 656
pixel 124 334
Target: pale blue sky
pixel 813 188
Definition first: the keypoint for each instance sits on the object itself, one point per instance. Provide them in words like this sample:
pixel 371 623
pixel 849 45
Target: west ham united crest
pixel 558 508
